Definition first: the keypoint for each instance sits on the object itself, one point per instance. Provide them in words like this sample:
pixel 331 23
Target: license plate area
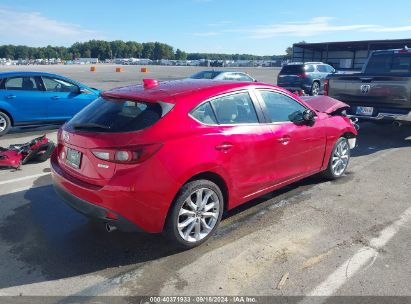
pixel 366 111
pixel 73 158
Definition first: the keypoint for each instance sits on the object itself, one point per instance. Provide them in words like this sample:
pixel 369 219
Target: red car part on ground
pixel 174 155
pixel 38 149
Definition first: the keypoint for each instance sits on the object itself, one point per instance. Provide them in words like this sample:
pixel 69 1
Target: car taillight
pixel 59 135
pixel 326 86
pixel 303 75
pixel 127 155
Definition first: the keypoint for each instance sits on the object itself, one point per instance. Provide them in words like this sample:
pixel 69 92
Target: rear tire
pixel 339 159
pixel 5 123
pixel 315 88
pixel 195 214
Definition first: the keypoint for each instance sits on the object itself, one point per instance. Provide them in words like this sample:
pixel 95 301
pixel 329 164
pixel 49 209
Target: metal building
pixel 347 55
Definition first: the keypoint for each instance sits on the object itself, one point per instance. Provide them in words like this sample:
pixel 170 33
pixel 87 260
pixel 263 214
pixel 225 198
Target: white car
pixel 223 75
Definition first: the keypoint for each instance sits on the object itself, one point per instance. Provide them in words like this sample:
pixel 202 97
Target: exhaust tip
pixel 110 228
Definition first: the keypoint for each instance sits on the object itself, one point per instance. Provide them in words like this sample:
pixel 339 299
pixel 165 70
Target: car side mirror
pixel 309 116
pixel 82 91
pixel 333 71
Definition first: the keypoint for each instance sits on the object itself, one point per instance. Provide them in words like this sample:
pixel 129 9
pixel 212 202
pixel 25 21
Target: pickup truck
pixel 381 92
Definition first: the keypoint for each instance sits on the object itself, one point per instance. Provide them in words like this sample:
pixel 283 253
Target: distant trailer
pixel 346 55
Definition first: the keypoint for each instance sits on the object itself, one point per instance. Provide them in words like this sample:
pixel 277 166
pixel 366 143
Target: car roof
pixel 304 63
pixel 30 73
pixel 222 71
pixel 172 91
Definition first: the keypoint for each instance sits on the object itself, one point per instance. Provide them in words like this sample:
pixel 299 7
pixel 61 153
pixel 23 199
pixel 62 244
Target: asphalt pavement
pixel 314 238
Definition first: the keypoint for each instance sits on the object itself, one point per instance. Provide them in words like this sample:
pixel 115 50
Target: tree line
pixel 115 49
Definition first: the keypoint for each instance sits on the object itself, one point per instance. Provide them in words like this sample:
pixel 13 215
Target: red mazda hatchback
pixel 173 156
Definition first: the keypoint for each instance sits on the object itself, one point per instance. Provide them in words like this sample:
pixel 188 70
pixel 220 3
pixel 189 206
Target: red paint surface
pixel 250 159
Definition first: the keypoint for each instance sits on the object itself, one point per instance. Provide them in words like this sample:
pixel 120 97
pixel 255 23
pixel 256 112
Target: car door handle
pixel 224 147
pixel 284 140
pixel 55 97
pixel 11 96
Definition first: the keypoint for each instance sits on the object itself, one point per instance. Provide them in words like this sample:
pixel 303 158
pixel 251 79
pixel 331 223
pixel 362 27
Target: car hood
pixel 325 104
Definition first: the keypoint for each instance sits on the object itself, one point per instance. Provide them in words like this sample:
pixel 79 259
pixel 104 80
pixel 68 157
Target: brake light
pixel 303 75
pixel 127 155
pixel 59 135
pixel 326 86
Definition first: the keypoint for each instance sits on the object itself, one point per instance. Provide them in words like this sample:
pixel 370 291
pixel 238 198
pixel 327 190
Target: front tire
pixel 196 213
pixel 339 159
pixel 5 123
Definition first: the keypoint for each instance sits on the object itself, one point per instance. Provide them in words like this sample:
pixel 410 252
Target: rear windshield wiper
pixel 90 126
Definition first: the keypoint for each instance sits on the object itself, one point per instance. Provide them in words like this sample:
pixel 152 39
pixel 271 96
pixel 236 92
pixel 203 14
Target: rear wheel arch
pixel 216 179
pixel 206 175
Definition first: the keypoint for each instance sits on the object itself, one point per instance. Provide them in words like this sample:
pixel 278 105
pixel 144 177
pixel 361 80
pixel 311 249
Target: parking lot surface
pixel 105 77
pixel 316 237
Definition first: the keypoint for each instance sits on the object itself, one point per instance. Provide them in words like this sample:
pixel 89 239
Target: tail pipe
pixel 110 227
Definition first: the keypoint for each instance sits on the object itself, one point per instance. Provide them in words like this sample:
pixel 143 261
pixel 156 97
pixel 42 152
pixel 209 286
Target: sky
pixel 260 27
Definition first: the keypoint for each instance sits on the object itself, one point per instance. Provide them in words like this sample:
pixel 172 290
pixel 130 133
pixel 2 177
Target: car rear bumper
pixel 94 211
pixel 384 114
pixel 118 204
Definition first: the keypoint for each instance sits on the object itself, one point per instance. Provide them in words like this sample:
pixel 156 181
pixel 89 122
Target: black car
pixel 308 77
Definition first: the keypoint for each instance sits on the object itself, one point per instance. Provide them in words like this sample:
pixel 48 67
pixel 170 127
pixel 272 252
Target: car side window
pixel 309 68
pixel 244 77
pixel 330 69
pixel 204 113
pixel 322 69
pixel 234 109
pixel 280 107
pixel 59 85
pixel 230 76
pixel 25 83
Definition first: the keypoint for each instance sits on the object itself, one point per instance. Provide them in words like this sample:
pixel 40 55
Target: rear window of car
pixel 292 70
pixel 118 115
pixel 26 83
pixel 389 62
pixel 205 75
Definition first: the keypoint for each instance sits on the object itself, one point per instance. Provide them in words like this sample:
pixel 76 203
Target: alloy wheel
pixel 3 124
pixel 315 90
pixel 198 215
pixel 340 158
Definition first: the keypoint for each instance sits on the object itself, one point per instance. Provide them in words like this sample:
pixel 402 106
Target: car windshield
pixel 389 62
pixel 118 115
pixel 205 75
pixel 292 70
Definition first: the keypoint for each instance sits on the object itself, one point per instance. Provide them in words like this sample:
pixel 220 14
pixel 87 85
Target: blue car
pixel 36 98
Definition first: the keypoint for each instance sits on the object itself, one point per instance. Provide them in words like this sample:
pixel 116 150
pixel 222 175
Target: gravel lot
pixel 349 237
